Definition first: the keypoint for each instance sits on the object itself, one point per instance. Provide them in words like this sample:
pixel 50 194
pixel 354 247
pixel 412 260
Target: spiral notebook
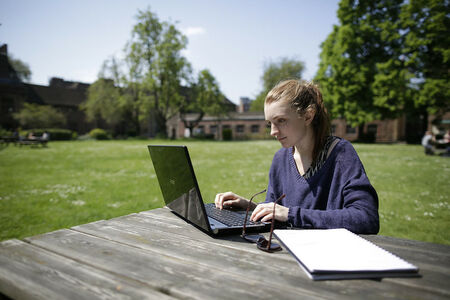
pixel 326 254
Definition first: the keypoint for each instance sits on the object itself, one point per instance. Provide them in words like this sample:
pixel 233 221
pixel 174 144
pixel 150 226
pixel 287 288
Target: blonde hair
pixel 303 95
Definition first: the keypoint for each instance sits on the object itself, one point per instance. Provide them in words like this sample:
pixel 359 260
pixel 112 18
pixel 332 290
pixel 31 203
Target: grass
pixel 71 183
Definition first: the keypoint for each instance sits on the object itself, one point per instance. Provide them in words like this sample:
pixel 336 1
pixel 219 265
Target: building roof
pixel 57 95
pixel 233 116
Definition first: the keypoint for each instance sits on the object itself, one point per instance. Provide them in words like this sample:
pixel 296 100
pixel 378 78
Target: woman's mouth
pixel 280 139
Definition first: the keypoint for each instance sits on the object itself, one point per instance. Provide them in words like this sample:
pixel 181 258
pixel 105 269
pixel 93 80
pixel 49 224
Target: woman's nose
pixel 273 130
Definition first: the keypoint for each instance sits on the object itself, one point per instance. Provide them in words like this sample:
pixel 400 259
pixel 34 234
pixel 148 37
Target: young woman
pixel 322 176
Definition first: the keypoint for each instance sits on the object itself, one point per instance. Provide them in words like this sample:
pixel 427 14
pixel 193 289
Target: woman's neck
pixel 303 153
pixel 305 147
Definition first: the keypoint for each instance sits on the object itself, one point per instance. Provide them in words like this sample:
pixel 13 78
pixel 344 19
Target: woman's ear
pixel 309 115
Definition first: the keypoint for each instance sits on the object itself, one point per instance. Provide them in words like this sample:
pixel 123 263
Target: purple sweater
pixel 339 195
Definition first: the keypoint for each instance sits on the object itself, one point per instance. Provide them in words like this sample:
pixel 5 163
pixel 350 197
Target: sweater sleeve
pixel 358 209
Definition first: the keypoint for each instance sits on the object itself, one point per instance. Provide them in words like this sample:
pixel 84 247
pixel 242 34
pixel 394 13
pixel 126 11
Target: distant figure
pixel 45 136
pixel 447 143
pixel 15 134
pixel 447 136
pixel 427 143
pixel 31 136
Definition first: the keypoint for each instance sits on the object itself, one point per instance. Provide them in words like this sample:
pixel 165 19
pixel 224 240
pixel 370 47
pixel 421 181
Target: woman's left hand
pixel 264 211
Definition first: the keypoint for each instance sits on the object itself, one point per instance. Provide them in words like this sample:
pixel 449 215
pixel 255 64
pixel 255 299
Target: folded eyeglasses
pixel 261 242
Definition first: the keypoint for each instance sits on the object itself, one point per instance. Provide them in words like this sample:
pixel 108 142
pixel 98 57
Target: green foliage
pixel 426 51
pixel 204 97
pixel 39 116
pixel 99 134
pixel 22 69
pixel 156 68
pixel 56 134
pixel 274 72
pixel 4 132
pixel 147 82
pixel 102 102
pixel 351 59
pixel 72 183
pixel 386 58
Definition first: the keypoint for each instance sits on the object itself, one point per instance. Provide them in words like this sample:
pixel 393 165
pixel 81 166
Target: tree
pixel 39 116
pixel 22 69
pixel 107 102
pixel 358 55
pixel 156 69
pixel 102 102
pixel 147 83
pixel 387 58
pixel 204 97
pixel 426 25
pixel 274 72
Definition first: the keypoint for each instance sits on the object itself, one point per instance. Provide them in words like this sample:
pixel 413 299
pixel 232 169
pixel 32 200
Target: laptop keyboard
pixel 227 217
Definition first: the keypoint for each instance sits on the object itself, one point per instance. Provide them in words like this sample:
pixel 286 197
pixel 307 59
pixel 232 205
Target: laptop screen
pixel 178 184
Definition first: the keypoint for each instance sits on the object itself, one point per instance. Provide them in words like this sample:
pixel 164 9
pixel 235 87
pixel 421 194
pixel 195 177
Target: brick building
pixel 66 96
pixel 252 125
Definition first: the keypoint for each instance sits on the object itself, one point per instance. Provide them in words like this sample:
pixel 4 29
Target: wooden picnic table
pixel 154 254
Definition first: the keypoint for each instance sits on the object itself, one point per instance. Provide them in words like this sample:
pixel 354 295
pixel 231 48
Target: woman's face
pixel 286 125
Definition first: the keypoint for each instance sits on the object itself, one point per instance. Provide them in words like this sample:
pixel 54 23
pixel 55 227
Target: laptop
pixel 182 195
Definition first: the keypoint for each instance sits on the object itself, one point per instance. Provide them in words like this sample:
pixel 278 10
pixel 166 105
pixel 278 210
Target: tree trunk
pixel 191 124
pixel 161 126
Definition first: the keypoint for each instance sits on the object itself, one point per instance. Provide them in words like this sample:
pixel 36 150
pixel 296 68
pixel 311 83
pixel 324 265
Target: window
pixel 350 130
pixel 333 129
pixel 213 129
pixel 199 130
pixel 372 129
pixel 255 128
pixel 240 128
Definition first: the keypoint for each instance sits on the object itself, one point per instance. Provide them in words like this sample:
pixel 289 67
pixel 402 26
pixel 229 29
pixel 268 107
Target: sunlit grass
pixel 71 183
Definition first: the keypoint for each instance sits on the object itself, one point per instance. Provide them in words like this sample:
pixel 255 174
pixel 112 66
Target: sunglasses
pixel 261 242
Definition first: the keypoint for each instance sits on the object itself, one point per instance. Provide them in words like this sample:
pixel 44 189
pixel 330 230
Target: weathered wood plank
pixel 429 261
pixel 155 254
pixel 415 252
pixel 179 277
pixel 29 272
pixel 144 231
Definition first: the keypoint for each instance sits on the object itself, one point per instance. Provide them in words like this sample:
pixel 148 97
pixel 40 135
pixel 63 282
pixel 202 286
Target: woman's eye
pixel 281 121
pixel 268 124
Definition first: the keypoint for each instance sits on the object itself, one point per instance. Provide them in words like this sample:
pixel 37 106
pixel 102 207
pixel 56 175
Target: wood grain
pixel 29 272
pixel 155 254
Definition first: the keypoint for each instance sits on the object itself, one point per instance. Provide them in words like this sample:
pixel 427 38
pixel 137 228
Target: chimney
pixel 244 104
pixel 4 50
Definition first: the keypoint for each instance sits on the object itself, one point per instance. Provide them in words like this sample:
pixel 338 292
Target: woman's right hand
pixel 231 200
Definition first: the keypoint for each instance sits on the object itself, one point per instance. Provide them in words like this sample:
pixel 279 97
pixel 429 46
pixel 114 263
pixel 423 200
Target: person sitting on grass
pixel 321 175
pixel 428 142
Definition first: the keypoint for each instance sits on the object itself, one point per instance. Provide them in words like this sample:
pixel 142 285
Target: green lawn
pixel 71 183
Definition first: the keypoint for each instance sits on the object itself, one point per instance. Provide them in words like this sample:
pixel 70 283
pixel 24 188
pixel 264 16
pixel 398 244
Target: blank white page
pixel 339 250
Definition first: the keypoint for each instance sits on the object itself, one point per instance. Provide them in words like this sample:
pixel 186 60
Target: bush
pixel 4 132
pixel 227 134
pixel 99 134
pixel 39 116
pixel 204 136
pixel 56 134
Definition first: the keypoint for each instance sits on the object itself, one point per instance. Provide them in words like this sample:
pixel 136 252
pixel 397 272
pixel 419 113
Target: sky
pixel 233 39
